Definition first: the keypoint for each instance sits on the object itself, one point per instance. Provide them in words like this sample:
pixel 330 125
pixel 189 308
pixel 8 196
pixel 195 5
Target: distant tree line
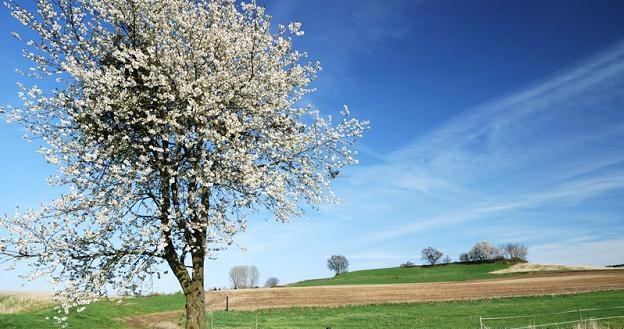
pixel 244 276
pixel 480 252
pixel 484 251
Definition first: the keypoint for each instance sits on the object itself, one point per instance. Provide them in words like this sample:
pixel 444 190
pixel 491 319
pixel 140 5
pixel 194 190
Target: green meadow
pixel 451 315
pixel 438 273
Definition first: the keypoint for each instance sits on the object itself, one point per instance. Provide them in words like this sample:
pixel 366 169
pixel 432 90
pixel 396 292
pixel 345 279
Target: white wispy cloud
pixel 513 169
pixel 581 251
pixel 556 144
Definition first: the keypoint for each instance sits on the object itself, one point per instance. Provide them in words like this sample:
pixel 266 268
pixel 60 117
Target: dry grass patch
pixel 19 303
pixel 533 284
pixel 527 267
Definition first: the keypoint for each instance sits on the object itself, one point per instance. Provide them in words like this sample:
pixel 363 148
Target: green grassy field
pixel 438 273
pixel 442 315
pixel 463 314
pixel 420 315
pixel 99 315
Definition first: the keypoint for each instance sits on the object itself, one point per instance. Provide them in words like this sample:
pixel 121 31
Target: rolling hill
pixel 416 274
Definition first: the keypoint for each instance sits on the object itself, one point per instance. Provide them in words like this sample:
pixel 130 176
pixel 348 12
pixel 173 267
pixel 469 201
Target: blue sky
pixel 491 120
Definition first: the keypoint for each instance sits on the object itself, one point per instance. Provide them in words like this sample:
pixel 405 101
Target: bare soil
pixel 161 320
pixel 531 284
pixel 529 267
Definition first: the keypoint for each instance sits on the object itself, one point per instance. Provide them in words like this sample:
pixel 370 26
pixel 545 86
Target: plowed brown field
pixel 525 285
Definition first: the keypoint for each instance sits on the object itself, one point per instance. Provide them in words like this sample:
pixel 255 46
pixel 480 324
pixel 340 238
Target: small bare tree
pixel 514 251
pixel 338 264
pixel 253 277
pixel 431 255
pixel 244 276
pixel 446 260
pixel 238 276
pixel 271 282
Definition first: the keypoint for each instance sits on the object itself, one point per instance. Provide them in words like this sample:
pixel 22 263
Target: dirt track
pixel 161 320
pixel 524 285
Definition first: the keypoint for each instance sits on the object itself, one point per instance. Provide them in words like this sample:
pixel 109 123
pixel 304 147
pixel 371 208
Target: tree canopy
pixel 170 122
pixel 338 264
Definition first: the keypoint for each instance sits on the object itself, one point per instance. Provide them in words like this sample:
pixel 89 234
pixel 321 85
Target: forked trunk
pixel 195 305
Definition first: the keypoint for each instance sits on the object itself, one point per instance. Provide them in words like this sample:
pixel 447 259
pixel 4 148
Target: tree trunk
pixel 195 305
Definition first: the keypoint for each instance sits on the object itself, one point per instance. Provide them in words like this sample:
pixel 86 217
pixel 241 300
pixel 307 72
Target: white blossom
pixel 171 122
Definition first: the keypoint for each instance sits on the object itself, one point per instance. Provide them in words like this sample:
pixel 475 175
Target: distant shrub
pixel 408 264
pixel 487 261
pixel 271 282
pixel 431 255
pixel 464 258
pixel 484 252
pixel 338 264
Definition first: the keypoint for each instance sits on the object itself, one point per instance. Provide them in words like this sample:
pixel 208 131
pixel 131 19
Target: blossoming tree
pixel 171 121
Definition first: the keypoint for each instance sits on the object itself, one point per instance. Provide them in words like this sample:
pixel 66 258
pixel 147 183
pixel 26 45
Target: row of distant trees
pixel 245 276
pixel 481 251
pixel 484 250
